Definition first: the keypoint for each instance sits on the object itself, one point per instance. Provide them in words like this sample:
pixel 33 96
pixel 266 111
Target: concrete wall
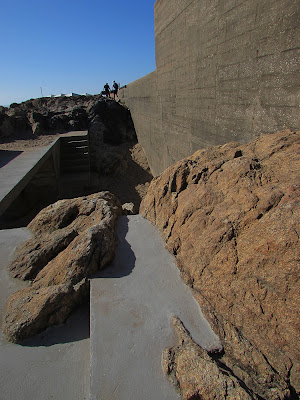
pixel 225 70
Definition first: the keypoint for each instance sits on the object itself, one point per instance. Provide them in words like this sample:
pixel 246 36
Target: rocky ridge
pixel 108 122
pixel 48 115
pixel 230 215
pixel 72 239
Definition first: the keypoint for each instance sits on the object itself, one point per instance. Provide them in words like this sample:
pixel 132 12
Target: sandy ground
pixel 24 143
pixel 52 365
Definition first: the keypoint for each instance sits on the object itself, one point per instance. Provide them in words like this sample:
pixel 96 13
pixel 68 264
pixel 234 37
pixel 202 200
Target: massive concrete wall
pixel 225 70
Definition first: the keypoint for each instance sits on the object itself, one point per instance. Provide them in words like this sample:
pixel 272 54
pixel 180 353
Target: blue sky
pixel 73 45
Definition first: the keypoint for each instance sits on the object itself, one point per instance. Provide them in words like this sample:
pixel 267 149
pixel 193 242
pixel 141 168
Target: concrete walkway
pixel 52 365
pixel 18 167
pixel 132 302
pixel 16 174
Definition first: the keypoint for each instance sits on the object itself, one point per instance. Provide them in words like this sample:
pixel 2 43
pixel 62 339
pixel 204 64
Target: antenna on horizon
pixel 41 91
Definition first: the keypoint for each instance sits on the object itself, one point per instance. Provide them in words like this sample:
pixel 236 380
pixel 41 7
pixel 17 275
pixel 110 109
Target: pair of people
pixel 114 91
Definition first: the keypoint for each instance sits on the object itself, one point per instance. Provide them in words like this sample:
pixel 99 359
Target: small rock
pixel 128 209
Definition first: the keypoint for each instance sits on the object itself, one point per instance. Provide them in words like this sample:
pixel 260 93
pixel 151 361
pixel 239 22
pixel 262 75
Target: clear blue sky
pixel 73 45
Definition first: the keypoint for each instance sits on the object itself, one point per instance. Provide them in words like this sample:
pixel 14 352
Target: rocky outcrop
pixel 13 120
pixel 62 114
pixel 198 374
pixel 72 239
pixel 230 214
pixel 108 122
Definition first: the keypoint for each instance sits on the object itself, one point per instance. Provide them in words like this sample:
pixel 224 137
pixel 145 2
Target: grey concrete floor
pixel 53 365
pixel 132 302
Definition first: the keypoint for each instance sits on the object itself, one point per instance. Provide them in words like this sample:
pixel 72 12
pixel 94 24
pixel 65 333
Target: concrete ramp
pixel 132 302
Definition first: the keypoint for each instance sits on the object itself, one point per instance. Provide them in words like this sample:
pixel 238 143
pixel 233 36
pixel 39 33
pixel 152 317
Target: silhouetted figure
pixel 106 90
pixel 115 89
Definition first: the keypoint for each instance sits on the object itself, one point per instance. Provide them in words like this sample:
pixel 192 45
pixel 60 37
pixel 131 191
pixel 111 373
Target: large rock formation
pixel 72 239
pixel 230 214
pixel 62 114
pixel 117 162
pixel 109 124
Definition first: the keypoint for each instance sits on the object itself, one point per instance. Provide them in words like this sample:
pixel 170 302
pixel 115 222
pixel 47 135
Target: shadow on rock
pixel 130 176
pixel 76 328
pixel 124 261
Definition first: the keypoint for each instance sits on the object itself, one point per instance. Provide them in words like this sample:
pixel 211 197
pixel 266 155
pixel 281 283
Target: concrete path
pixel 132 302
pixel 52 365
pixel 18 167
pixel 16 173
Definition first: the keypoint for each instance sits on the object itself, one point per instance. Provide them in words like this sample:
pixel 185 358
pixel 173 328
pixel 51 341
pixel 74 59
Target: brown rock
pixel 35 254
pixel 196 373
pixel 128 209
pixel 31 310
pixel 230 214
pixel 73 239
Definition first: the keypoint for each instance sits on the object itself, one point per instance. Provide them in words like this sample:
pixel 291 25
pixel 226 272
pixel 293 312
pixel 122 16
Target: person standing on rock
pixel 106 90
pixel 115 89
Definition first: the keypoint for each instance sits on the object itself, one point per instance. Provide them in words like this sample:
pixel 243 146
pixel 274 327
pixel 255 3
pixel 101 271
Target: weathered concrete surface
pixel 53 365
pixel 132 303
pixel 226 70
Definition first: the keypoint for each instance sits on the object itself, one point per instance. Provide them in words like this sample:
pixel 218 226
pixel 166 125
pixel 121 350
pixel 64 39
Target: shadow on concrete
pixel 124 261
pixel 76 328
pixel 8 155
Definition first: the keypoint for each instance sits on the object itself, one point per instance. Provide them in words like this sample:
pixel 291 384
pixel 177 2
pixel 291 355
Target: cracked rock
pixel 73 239
pixel 230 214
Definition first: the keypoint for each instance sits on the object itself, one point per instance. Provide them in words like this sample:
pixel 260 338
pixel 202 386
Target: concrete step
pixel 74 150
pixel 75 168
pixel 74 154
pixel 74 184
pixel 74 143
pixel 80 159
pixel 131 303
pixel 72 139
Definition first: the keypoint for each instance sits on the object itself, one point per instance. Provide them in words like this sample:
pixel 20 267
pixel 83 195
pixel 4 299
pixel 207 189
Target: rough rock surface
pixel 198 374
pixel 72 240
pixel 108 122
pixel 62 114
pixel 230 214
pixel 131 182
